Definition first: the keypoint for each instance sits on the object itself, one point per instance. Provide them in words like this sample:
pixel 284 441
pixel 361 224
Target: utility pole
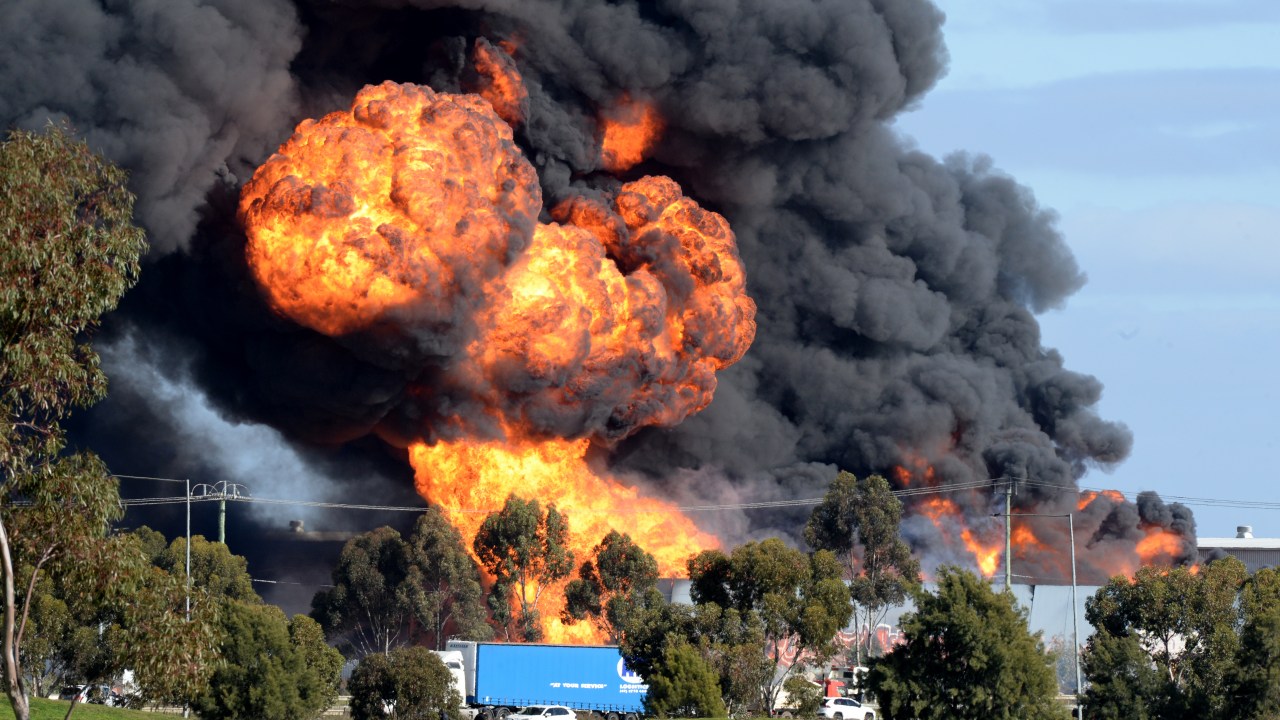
pixel 188 549
pixel 1075 618
pixel 1075 592
pixel 186 705
pixel 222 491
pixel 1008 533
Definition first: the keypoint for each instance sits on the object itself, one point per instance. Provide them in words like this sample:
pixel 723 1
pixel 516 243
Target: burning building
pixel 627 257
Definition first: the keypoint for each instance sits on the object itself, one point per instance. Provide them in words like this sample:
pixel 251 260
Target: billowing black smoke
pixel 896 292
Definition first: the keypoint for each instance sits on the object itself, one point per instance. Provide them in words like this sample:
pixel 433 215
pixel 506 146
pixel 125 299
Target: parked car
pixel 79 693
pixel 555 712
pixel 843 708
pixel 98 694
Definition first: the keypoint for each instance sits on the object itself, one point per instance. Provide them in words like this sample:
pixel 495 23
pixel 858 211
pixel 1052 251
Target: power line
pixel 288 582
pixel 761 505
pixel 147 477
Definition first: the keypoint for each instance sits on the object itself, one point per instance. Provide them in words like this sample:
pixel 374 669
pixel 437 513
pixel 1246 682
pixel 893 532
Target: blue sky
pixel 1153 128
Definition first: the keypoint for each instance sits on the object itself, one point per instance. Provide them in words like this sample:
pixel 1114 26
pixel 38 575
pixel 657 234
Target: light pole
pixel 186 709
pixel 1008 534
pixel 187 482
pixel 1075 610
pixel 188 549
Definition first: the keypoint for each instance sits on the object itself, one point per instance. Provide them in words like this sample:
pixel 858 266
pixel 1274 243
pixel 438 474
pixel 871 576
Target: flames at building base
pixel 1112 536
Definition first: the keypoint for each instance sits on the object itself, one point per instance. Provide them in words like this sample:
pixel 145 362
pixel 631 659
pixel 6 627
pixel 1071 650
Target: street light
pixel 1075 610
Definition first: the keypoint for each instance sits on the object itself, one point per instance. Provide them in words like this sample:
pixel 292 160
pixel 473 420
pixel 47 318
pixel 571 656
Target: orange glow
pixel 1025 542
pixel 946 516
pixel 1088 496
pixel 511 44
pixel 987 555
pixel 1040 548
pixel 500 81
pixel 914 466
pixel 1159 547
pixel 566 312
pixel 468 480
pixel 631 129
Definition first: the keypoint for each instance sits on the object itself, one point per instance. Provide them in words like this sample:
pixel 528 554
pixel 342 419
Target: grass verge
pixel 42 709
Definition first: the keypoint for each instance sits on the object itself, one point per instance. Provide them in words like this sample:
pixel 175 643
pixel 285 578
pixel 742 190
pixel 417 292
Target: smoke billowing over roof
pixel 896 292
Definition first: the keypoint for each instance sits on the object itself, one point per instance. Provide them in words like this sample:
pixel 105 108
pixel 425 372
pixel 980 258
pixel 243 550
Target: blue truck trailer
pixel 592 679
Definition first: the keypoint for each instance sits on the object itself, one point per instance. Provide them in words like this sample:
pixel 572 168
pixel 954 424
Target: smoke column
pixel 896 293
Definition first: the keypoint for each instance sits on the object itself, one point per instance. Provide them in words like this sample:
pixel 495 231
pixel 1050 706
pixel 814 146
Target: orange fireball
pixel 399 209
pixel 415 212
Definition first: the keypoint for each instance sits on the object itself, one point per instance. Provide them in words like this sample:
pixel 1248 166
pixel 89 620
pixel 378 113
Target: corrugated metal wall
pixel 1253 558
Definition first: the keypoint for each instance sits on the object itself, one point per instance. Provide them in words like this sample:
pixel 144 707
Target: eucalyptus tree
pixel 525 550
pixel 611 585
pixel 859 520
pixel 68 252
pixel 800 601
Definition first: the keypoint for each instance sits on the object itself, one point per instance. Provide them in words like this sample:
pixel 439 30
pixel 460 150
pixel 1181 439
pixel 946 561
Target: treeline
pixel 755 608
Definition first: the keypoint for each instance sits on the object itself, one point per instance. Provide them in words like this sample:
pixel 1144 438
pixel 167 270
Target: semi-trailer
pixel 594 680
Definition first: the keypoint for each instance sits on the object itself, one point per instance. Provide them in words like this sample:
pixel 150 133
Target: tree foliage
pixel 371 601
pixel 448 599
pixel 53 519
pixel 683 685
pixel 91 621
pixel 319 660
pixel 223 574
pixel 1164 642
pixel 68 251
pixel 49 626
pixel 799 601
pixel 525 551
pixel 611 585
pixel 1253 681
pixel 389 592
pixel 407 683
pixel 729 642
pixel 803 696
pixel 272 669
pixel 967 654
pixel 858 520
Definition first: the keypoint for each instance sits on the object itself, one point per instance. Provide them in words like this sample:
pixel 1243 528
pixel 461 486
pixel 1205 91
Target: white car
pixel 842 708
pixel 555 712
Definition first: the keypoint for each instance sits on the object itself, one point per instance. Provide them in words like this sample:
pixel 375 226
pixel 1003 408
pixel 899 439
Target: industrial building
pixel 1256 553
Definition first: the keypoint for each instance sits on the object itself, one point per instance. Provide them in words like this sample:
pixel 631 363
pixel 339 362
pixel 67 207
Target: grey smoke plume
pixel 897 293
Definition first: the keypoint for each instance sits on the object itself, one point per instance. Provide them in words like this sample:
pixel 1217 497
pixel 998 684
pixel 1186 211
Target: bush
pixel 405 683
pixel 803 696
pixel 683 685
pixel 270 670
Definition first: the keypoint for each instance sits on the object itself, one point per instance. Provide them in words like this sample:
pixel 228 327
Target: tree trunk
pixel 17 687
